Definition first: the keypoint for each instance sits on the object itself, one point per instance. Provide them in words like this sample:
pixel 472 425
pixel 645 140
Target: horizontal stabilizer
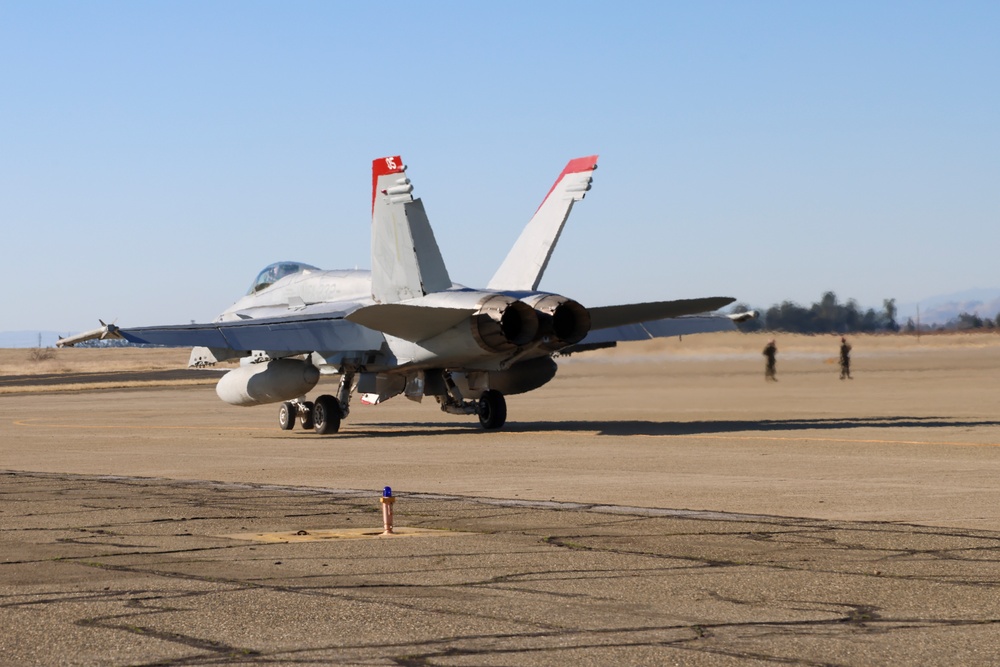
pixel 412 323
pixel 615 316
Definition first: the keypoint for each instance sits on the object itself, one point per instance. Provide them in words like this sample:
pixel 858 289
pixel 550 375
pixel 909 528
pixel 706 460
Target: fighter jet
pixel 404 327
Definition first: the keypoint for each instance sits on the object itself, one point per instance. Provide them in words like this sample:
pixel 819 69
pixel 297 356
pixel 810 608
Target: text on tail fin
pixel 383 166
pixel 406 260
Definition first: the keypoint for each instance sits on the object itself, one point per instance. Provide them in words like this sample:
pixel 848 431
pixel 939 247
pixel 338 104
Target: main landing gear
pixel 326 413
pixel 323 416
pixel 492 410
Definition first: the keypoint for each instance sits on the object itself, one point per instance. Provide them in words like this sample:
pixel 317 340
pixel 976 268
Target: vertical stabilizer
pixel 406 261
pixel 526 261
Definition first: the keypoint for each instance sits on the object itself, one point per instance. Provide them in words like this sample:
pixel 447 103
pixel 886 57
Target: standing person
pixel 845 359
pixel 770 352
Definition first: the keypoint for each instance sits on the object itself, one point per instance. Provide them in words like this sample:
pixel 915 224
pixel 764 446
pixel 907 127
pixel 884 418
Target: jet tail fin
pixel 526 261
pixel 406 260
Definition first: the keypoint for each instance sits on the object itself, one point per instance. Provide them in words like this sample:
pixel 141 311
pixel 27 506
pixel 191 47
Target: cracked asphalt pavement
pixel 642 509
pixel 131 571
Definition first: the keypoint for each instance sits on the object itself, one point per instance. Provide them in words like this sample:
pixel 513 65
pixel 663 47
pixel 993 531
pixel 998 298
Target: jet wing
pixel 606 317
pixel 309 333
pixel 104 332
pixel 666 328
pixel 661 319
pixel 318 331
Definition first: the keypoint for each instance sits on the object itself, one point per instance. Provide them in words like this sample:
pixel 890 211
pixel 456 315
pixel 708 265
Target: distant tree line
pixel 964 322
pixel 827 315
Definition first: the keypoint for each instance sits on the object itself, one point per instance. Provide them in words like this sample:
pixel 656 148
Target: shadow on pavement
pixel 648 428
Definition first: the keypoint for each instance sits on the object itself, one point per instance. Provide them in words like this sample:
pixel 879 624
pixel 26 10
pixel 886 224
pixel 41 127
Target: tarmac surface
pixel 55 380
pixel 663 507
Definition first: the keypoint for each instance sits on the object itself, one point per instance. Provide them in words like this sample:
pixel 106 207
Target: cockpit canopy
pixel 272 273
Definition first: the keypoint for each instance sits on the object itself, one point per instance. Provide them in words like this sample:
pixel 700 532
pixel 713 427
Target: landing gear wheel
pixel 326 415
pixel 286 415
pixel 306 415
pixel 492 410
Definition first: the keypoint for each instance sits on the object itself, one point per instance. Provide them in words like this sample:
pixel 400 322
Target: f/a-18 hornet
pixel 405 328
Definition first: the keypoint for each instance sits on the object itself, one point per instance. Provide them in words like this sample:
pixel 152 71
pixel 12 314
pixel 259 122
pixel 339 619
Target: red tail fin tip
pixel 383 166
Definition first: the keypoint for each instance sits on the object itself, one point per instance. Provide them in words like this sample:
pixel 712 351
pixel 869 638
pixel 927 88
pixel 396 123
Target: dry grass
pixel 72 363
pixel 39 354
pixel 91 360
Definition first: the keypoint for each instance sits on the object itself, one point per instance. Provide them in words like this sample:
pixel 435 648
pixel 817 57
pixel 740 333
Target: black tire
pixel 306 415
pixel 492 410
pixel 326 415
pixel 286 416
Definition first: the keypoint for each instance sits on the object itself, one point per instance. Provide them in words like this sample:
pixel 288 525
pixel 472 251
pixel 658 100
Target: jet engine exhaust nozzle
pixel 563 321
pixel 503 324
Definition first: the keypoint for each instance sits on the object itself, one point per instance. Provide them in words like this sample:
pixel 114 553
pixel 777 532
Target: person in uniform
pixel 770 352
pixel 845 359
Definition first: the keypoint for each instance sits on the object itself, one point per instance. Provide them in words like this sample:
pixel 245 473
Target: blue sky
pixel 154 156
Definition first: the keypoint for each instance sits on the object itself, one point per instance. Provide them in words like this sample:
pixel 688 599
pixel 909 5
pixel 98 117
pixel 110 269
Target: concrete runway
pixel 649 506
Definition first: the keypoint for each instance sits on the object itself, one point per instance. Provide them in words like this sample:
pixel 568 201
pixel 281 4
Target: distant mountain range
pixel 934 310
pixel 947 307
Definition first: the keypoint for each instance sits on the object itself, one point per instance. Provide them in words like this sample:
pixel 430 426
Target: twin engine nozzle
pixel 503 323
